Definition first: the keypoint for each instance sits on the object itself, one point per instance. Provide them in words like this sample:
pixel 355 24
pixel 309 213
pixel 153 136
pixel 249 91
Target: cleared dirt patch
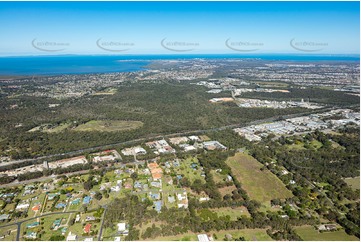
pixel 109 125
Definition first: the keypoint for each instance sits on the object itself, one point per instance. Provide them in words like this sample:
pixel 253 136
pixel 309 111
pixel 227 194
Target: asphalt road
pixel 194 132
pixel 26 220
pixel 102 225
pixel 16 183
pixel 131 142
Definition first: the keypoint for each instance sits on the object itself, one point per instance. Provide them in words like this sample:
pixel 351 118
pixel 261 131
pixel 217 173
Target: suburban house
pixel 171 199
pixel 4 217
pixel 71 237
pixel 56 224
pixel 134 151
pixel 203 238
pixel 51 196
pixel 212 145
pixel 122 228
pixel 182 200
pixel 75 201
pixel 87 228
pixel 36 208
pixel 154 196
pixel 60 205
pixel 115 188
pixel 89 218
pixel 22 206
pixel 158 206
pixel 155 170
pixel 327 227
pixel 86 200
pixel 30 235
pixel 32 225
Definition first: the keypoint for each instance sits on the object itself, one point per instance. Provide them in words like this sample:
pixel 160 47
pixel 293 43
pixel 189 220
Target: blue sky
pixel 185 27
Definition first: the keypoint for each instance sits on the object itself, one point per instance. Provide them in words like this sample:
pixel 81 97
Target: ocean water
pixel 76 64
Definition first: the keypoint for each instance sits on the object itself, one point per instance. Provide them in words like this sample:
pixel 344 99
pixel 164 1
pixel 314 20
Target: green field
pixel 109 125
pixel 316 144
pixel 218 177
pixel 248 234
pixel 260 185
pixel 301 146
pixel 233 213
pixel 353 182
pixel 309 233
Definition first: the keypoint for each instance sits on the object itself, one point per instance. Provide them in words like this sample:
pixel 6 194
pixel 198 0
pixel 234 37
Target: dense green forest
pixel 162 108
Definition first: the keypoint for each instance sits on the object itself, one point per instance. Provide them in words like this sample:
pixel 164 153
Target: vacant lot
pixel 353 182
pixel 227 190
pixel 109 125
pixel 301 146
pixel 108 91
pixel 234 213
pixel 218 177
pixel 272 84
pixel 260 185
pixel 309 233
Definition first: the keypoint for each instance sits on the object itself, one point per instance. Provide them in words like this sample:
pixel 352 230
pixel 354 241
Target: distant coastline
pixel 87 64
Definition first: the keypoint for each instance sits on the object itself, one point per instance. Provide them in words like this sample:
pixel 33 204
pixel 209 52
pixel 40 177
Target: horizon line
pixel 184 54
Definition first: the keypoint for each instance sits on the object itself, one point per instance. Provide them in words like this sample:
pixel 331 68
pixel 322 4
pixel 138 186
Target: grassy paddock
pixel 353 182
pixel 9 232
pixel 260 185
pixel 309 233
pixel 248 234
pixel 227 190
pixel 109 125
pixel 234 213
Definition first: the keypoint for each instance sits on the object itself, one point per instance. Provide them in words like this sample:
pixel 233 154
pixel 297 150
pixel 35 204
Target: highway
pixel 194 132
pixel 19 223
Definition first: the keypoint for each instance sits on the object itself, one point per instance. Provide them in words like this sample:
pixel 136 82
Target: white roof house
pixel 104 158
pixel 189 148
pixel 22 206
pixel 71 237
pixel 194 138
pixel 203 238
pixel 134 150
pixel 140 150
pixel 121 227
